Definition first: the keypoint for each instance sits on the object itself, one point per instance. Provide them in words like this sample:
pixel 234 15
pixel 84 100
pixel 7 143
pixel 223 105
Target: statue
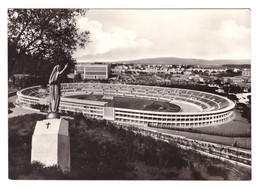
pixel 55 91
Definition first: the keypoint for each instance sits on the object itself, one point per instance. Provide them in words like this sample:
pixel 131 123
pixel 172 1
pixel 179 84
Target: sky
pixel 127 34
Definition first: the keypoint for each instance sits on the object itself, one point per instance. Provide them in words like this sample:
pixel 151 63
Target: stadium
pixel 137 104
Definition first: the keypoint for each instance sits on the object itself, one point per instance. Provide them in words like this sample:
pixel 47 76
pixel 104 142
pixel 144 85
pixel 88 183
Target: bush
pixel 41 107
pixel 10 105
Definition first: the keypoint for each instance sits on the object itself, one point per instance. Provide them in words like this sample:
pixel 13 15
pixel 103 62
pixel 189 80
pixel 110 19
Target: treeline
pixel 37 72
pixel 245 110
pixel 32 66
pixel 240 66
pixel 41 107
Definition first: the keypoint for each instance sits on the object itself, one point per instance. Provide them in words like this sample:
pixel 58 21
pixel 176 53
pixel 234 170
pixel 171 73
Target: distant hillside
pixel 240 66
pixel 188 61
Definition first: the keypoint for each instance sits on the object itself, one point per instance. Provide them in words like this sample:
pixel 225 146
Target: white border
pixel 254 5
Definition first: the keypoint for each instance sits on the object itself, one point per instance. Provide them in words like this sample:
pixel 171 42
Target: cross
pixel 48 125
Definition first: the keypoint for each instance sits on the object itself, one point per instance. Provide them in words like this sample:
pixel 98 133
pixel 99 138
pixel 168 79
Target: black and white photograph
pixel 159 94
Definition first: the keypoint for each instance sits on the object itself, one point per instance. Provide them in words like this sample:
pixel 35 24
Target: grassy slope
pixel 101 151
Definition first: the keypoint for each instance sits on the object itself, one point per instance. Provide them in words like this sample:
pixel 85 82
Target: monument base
pixel 53 115
pixel 51 143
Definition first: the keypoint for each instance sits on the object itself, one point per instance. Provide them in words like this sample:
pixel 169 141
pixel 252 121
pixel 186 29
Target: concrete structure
pixel 211 109
pixel 246 72
pixel 92 71
pixel 51 143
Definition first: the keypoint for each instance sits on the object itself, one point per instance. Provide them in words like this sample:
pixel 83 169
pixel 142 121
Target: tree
pixel 217 81
pixel 78 78
pixel 230 71
pixel 10 106
pixel 46 34
pixel 249 98
pixel 232 97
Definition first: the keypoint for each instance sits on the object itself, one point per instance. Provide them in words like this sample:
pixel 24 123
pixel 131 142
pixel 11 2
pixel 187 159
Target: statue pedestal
pixel 51 143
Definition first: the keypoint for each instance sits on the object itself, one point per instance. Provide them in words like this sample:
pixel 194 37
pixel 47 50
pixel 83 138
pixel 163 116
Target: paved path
pixel 20 111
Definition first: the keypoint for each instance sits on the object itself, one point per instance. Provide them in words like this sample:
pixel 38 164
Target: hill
pixel 188 61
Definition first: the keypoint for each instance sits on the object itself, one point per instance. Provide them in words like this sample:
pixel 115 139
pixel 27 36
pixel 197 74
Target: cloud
pixel 208 34
pixel 226 39
pixel 230 29
pixel 234 39
pixel 105 41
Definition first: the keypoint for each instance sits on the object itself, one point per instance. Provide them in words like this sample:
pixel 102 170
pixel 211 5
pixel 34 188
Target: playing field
pixel 133 103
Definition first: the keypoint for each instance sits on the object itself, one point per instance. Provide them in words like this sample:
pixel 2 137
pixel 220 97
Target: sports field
pixel 133 103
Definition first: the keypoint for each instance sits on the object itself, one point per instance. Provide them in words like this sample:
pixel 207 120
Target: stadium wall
pixel 214 109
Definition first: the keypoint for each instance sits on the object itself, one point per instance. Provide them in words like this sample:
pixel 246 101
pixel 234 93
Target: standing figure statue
pixel 55 91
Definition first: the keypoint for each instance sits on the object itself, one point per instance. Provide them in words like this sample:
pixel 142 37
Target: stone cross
pixel 48 124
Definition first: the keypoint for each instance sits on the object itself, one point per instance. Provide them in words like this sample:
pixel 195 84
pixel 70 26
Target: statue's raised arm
pixel 65 67
pixel 55 91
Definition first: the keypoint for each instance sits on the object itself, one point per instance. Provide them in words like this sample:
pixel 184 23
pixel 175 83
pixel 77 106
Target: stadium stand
pixel 214 109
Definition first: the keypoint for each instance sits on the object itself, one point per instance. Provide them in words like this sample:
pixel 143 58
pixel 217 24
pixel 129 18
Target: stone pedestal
pixel 51 143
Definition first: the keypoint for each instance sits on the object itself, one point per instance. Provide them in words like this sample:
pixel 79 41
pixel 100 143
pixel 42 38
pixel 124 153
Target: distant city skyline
pixel 129 34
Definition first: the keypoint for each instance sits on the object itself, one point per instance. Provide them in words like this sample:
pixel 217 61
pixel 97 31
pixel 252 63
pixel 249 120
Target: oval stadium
pixel 137 104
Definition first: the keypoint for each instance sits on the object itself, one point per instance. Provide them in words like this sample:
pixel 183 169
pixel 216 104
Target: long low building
pixel 92 71
pixel 207 109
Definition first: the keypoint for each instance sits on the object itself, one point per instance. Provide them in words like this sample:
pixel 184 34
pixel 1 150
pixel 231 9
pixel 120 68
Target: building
pixel 246 72
pixel 92 71
pixel 236 80
pixel 233 80
pixel 187 72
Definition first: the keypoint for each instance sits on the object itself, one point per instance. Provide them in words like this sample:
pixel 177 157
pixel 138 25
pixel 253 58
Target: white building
pixel 246 72
pixel 92 71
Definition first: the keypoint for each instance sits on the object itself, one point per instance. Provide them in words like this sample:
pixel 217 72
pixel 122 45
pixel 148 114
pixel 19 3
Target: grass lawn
pixel 144 104
pixel 238 125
